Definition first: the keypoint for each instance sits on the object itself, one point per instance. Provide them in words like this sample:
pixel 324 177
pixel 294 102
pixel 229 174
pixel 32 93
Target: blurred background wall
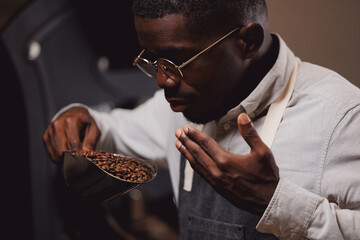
pixel 325 32
pixel 7 9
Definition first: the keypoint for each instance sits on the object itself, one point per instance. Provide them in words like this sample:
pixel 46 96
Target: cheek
pixel 221 78
pixel 203 84
pixel 214 75
pixel 203 75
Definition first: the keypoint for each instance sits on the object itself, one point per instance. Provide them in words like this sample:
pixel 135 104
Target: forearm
pixel 295 213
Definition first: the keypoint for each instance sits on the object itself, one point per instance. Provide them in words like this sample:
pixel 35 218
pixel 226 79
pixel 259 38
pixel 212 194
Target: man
pixel 226 77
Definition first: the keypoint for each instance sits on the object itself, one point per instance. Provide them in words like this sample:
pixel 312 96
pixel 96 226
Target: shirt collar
pixel 269 88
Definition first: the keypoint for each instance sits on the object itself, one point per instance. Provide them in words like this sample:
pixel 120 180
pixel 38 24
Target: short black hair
pixel 203 15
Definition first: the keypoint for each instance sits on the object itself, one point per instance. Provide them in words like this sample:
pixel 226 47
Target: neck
pixel 259 66
pixel 264 59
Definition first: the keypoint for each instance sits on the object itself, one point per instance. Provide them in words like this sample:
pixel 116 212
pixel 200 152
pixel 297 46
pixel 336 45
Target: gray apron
pixel 205 214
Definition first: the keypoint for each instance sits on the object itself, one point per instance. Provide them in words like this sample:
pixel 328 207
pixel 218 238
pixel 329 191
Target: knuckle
pixel 264 153
pixel 217 177
pixel 193 163
pixel 222 162
pixel 56 124
pixel 251 132
pixel 73 144
pixel 69 120
pixel 195 151
pixel 204 142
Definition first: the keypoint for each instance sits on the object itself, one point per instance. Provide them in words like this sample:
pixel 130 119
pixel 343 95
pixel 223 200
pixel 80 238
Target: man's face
pixel 203 94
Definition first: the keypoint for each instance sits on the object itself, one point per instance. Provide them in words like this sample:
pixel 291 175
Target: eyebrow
pixel 170 51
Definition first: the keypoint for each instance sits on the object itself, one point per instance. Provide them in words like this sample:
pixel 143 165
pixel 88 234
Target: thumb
pixel 91 137
pixel 248 132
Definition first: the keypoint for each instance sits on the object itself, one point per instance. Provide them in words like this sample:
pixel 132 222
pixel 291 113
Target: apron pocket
pixel 203 228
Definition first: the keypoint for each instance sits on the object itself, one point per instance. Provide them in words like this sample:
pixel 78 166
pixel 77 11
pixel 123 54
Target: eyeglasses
pixel 168 67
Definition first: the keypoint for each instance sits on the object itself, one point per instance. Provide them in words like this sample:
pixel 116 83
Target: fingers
pixel 208 144
pixel 72 135
pixel 48 143
pixel 54 142
pixel 249 133
pixel 91 137
pixel 72 130
pixel 198 158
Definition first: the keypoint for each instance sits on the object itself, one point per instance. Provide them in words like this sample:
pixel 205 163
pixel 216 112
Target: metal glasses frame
pixel 163 67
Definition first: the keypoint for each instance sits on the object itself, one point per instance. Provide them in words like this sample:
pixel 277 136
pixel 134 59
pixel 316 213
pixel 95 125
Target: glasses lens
pixel 169 68
pixel 146 67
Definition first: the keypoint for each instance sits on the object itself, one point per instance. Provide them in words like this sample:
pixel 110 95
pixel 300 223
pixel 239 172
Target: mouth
pixel 179 104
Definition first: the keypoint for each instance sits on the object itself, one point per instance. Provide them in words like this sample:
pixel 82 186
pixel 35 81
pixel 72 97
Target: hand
pixel 248 181
pixel 74 129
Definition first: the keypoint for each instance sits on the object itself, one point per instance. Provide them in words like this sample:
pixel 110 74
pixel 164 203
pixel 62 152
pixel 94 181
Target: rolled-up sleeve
pixel 141 132
pixel 296 213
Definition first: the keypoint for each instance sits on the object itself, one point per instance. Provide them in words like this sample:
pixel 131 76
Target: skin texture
pixel 213 84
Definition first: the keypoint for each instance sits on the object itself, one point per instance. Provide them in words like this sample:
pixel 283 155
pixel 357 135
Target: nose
pixel 164 81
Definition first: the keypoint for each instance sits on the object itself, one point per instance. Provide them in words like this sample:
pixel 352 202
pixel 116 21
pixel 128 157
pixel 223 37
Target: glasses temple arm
pixel 197 55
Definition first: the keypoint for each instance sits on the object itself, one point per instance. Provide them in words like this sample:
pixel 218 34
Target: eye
pixel 150 56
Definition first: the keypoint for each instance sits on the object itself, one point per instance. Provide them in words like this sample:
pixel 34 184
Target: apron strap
pixel 188 177
pixel 277 109
pixel 189 171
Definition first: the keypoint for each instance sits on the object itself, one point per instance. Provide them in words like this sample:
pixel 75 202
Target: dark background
pixel 86 53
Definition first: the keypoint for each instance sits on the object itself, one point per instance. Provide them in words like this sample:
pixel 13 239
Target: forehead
pixel 168 31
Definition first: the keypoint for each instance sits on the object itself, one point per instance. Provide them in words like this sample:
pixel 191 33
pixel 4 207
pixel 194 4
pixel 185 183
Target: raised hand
pixel 248 181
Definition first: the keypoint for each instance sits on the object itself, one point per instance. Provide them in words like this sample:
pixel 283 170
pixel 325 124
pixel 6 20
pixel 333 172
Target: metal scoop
pixel 92 183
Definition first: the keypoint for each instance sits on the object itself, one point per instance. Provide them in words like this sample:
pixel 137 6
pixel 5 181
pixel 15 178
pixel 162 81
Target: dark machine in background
pixel 53 53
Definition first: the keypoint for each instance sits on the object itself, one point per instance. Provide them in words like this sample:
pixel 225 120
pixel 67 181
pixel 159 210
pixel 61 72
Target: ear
pixel 251 37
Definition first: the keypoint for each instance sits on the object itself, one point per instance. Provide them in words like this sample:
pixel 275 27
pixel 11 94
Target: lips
pixel 179 104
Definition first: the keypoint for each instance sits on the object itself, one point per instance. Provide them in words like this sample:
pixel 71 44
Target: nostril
pixel 164 81
pixel 170 82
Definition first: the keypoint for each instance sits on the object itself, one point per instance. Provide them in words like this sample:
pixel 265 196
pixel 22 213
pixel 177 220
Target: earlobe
pixel 251 37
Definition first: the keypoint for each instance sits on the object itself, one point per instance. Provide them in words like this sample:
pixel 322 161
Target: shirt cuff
pixel 64 109
pixel 289 211
pixel 105 141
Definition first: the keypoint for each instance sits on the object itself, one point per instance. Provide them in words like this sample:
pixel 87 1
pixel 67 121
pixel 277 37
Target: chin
pixel 202 118
pixel 197 120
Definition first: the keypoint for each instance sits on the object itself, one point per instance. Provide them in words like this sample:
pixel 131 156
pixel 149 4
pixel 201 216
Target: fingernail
pixel 178 133
pixel 244 118
pixel 87 148
pixel 186 129
pixel 178 144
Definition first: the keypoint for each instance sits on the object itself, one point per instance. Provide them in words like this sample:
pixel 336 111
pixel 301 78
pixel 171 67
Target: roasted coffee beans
pixel 125 168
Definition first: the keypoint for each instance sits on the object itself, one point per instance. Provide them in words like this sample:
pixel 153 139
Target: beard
pixel 205 117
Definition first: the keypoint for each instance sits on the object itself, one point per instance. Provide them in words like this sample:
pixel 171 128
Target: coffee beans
pixel 125 168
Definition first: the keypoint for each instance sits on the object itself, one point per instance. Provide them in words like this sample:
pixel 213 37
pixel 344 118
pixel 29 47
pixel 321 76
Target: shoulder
pixel 326 86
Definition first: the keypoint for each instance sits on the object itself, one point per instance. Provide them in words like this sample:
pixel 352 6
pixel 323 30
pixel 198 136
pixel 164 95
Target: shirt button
pixel 226 126
pixel 251 115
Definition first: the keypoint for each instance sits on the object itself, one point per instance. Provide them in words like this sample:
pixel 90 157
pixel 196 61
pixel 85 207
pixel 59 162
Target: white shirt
pixel 317 147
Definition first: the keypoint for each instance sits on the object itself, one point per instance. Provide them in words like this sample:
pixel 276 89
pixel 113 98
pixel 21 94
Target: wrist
pixel 289 211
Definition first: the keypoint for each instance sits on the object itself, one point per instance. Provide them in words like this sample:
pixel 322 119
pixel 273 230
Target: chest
pixel 297 146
